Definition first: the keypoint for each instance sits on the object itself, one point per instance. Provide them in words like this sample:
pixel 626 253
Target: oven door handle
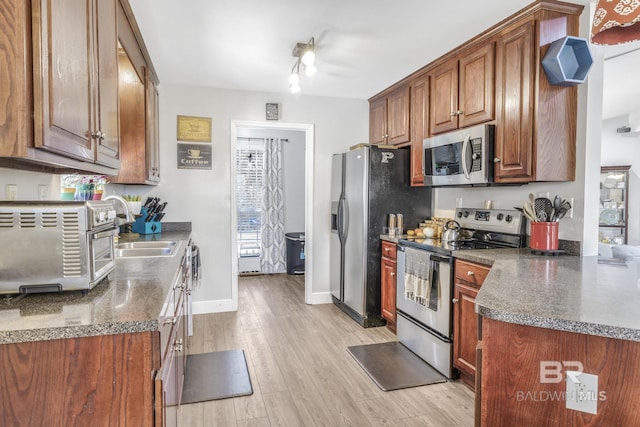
pixel 106 233
pixel 435 280
pixel 465 147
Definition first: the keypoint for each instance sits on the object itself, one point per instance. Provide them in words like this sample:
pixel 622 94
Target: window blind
pixel 249 157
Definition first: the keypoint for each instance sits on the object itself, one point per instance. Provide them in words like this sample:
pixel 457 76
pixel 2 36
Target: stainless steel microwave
pixel 462 157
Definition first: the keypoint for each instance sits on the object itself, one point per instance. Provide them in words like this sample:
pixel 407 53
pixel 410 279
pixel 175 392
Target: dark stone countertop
pixel 585 295
pixel 130 300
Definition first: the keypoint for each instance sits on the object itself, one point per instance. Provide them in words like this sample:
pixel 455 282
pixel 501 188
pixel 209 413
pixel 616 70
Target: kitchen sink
pixel 146 249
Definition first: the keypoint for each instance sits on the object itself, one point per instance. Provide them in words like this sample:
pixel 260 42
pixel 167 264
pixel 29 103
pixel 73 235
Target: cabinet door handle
pixel 496 160
pixel 459 112
pixel 387 249
pixel 453 113
pixel 455 300
pixel 392 274
pixel 102 136
pixel 95 134
pixel 469 273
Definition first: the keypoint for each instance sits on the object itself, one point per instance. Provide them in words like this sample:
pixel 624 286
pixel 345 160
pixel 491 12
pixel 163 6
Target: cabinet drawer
pixel 471 272
pixel 389 249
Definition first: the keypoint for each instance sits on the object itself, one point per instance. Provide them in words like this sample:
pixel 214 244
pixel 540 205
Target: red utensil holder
pixel 544 236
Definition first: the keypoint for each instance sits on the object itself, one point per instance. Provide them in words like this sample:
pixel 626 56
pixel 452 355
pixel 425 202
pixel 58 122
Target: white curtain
pixel 272 258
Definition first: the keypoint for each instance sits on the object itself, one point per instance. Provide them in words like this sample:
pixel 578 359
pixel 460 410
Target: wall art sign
pixel 194 156
pixel 195 129
pixel 273 111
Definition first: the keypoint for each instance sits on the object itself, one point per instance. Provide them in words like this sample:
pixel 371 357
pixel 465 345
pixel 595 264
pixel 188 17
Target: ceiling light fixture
pixel 616 22
pixel 306 54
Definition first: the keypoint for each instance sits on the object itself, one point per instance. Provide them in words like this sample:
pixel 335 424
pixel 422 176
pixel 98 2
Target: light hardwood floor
pixel 301 371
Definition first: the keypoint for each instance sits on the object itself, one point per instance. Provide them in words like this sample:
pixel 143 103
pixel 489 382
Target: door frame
pixel 308 129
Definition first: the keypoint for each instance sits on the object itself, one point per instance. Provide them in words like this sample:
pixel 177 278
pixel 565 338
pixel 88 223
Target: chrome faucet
pixel 129 217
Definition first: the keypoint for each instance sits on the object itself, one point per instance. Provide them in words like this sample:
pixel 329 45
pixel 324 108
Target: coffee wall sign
pixel 194 156
pixel 195 129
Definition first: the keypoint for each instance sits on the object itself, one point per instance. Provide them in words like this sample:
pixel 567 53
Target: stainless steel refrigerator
pixel 367 185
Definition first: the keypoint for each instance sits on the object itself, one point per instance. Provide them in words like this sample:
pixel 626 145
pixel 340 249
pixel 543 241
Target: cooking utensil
pixel 542 207
pixel 529 212
pixel 541 215
pixel 451 231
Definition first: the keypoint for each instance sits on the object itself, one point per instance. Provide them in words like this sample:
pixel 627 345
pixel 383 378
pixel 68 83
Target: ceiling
pixel 362 46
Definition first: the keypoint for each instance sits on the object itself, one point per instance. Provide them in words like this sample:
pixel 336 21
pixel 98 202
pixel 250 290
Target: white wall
pixel 618 150
pixel 28 182
pixel 204 197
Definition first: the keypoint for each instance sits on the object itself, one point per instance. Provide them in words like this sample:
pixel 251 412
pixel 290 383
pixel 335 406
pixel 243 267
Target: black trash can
pixel 295 253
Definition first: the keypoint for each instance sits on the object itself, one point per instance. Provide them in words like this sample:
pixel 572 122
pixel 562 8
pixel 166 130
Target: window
pixel 249 156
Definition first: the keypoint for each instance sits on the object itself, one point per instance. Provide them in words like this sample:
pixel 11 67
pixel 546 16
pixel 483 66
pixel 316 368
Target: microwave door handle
pixel 465 147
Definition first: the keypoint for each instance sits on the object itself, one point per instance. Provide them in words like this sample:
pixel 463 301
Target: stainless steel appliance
pixel 55 246
pixel 367 185
pixel 463 157
pixel 426 327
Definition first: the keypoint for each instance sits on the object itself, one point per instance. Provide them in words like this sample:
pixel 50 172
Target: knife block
pixel 141 226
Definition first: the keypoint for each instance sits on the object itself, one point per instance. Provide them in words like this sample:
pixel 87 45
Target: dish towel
pixel 417 275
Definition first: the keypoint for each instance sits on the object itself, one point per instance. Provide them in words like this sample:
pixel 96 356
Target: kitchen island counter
pixel 130 300
pixel 585 295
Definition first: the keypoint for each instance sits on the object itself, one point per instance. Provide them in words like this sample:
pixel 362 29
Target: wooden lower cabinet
pixel 90 381
pixel 468 280
pixel 388 283
pixel 514 395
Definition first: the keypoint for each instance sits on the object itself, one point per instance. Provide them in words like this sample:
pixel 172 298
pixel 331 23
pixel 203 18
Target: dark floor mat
pixel 217 375
pixel 392 366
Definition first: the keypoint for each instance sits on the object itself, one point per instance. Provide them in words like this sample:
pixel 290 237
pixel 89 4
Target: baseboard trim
pixel 320 298
pixel 214 306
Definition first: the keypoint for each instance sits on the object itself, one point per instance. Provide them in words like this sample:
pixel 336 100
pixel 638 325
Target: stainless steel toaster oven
pixel 55 246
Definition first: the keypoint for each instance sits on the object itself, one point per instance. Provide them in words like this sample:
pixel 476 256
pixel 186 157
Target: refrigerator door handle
pixel 340 218
pixel 344 219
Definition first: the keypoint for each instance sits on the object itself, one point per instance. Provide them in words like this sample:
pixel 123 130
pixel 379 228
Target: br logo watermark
pixel 551 371
pixel 581 389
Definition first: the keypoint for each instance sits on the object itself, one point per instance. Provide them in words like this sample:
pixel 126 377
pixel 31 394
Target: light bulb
pixel 295 88
pixel 308 58
pixel 294 78
pixel 310 70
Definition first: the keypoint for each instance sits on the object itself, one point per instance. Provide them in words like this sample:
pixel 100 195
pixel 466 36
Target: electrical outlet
pixel 582 392
pixel 12 191
pixel 43 192
pixel 570 213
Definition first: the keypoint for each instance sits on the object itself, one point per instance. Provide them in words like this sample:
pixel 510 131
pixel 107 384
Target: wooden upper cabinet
pixel 76 79
pixel 514 96
pixel 378 121
pixel 139 108
pixel 535 121
pixel 108 148
pixel 152 127
pixel 398 116
pixel 63 38
pixel 389 117
pixel 444 97
pixel 462 90
pixel 419 126
pixel 476 82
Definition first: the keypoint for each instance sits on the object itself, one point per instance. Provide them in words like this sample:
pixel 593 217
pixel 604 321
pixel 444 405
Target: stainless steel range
pixel 425 280
pixel 55 246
